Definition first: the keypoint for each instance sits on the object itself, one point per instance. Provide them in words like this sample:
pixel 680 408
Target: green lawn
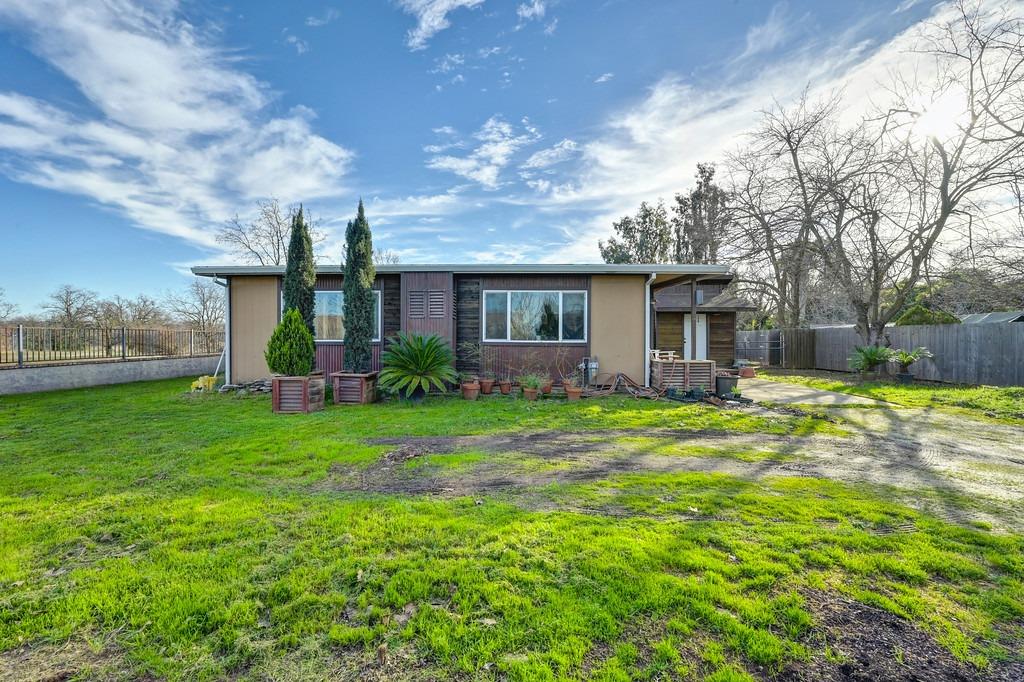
pixel 1003 404
pixel 197 537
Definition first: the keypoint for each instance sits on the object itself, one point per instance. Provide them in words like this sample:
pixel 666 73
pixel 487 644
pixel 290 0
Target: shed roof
pixel 993 318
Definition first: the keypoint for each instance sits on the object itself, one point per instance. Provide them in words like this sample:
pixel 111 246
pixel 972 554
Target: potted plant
pixel 905 359
pixel 487 382
pixel 870 359
pixel 357 384
pixel 290 355
pixel 414 363
pixel 531 385
pixel 545 384
pixel 573 385
pixel 505 384
pixel 470 386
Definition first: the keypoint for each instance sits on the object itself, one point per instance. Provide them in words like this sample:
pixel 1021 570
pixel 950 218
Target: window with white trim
pixel 535 316
pixel 329 316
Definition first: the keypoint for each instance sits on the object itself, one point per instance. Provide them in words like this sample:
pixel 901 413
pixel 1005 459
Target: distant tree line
pixel 905 209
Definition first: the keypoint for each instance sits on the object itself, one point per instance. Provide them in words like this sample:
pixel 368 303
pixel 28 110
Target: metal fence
pixel 991 354
pixel 23 346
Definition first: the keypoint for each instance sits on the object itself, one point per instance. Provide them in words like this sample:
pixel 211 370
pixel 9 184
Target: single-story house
pixel 521 316
pixel 1001 317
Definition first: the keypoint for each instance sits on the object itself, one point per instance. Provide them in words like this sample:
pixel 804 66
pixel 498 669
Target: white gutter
pixel 647 328
pixel 226 283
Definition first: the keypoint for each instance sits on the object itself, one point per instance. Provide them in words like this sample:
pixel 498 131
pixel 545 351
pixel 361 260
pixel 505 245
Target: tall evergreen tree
pixel 300 272
pixel 359 274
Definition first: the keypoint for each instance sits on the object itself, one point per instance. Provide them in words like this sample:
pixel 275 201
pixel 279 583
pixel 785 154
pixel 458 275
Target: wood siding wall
pixel 722 338
pixel 428 303
pixel 677 296
pixel 467 322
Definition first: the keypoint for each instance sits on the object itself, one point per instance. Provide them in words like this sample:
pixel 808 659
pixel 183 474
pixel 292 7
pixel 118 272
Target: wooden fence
pixel 991 354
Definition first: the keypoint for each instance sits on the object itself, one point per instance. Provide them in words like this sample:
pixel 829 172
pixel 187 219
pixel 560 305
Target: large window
pixel 329 320
pixel 545 316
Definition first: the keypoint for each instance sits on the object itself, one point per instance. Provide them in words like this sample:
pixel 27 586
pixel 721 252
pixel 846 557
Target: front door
pixel 702 337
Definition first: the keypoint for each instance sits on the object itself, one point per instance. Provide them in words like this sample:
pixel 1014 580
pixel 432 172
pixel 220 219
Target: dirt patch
pixel 855 642
pixel 69 661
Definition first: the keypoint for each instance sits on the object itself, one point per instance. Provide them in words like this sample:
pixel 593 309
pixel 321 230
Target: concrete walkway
pixel 789 394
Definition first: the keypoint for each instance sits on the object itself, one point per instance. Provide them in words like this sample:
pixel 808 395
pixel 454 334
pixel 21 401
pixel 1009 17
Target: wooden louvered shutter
pixel 417 305
pixel 435 304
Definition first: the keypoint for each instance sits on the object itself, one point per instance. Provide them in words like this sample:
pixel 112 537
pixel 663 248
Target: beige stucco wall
pixel 254 309
pixel 617 323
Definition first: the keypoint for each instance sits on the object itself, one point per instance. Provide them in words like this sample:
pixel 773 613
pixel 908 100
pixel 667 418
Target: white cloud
pixel 769 35
pixel 431 18
pixel 563 151
pixel 531 11
pixel 604 77
pixel 180 139
pixel 498 143
pixel 329 15
pixel 300 45
pixel 551 27
pixel 447 63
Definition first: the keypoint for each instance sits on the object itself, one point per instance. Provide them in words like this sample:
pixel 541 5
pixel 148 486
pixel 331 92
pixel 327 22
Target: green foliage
pixel 531 380
pixel 643 238
pixel 414 361
pixel 905 358
pixel 358 287
pixel 300 273
pixel 869 358
pixel 290 351
pixel 919 314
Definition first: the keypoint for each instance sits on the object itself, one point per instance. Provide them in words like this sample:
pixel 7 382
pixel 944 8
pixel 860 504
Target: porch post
pixel 693 318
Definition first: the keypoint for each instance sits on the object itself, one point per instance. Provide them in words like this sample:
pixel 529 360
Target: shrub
pixel 414 361
pixel 869 358
pixel 534 381
pixel 290 351
pixel 358 283
pixel 300 272
pixel 906 358
pixel 918 314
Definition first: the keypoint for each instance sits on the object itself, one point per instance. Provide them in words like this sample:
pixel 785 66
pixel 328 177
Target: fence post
pixel 21 345
pixel 191 342
pixel 124 343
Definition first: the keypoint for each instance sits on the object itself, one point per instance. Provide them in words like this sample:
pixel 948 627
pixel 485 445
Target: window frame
pixel 378 295
pixel 508 315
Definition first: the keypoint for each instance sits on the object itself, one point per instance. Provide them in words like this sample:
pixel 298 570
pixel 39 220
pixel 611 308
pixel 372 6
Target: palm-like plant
pixel 414 361
pixel 870 358
pixel 905 358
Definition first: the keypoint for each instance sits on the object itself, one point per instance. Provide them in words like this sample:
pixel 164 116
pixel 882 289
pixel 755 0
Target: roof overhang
pixel 665 271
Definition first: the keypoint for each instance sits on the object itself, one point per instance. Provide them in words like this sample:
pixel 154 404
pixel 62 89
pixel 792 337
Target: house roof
pixel 722 302
pixel 993 318
pixel 661 269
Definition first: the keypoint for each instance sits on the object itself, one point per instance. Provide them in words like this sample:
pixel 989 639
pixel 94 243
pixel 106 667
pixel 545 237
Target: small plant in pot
pixel 573 385
pixel 470 386
pixel 905 359
pixel 546 384
pixel 414 363
pixel 290 356
pixel 505 384
pixel 487 383
pixel 867 359
pixel 531 385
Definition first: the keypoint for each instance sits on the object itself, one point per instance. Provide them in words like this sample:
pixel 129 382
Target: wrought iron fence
pixel 23 346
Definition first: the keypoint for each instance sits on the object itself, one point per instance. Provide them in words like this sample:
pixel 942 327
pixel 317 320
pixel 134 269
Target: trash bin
pixel 725 384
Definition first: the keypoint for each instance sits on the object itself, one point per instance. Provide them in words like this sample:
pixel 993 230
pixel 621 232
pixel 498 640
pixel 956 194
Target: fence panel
pixel 62 345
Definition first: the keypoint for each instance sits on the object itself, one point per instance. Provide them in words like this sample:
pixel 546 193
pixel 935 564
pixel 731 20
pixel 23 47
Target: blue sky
pixel 475 130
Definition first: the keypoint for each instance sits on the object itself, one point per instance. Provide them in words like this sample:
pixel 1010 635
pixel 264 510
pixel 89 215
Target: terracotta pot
pixel 505 387
pixel 747 372
pixel 470 391
pixel 546 388
pixel 530 393
pixel 486 386
pixel 573 392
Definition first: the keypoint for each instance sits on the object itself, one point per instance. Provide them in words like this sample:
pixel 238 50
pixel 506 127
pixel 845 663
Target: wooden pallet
pixel 682 374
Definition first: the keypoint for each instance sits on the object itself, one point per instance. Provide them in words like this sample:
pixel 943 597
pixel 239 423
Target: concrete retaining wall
pixel 58 377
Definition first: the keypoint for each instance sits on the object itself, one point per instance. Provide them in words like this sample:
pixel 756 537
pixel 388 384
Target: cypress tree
pixel 358 286
pixel 300 272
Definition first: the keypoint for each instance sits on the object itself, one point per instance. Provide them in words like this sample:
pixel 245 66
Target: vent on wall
pixel 435 304
pixel 417 305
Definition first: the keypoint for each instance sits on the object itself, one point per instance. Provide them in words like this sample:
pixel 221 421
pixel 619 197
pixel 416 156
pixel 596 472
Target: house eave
pixel 482 269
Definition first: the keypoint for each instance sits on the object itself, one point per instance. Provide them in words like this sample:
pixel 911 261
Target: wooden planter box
pixel 684 374
pixel 299 394
pixel 354 389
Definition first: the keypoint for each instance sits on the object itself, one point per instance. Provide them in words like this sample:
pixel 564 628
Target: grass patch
pixel 997 403
pixel 189 532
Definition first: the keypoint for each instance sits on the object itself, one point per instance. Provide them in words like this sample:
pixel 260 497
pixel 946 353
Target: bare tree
pixel 264 240
pixel 69 306
pixel 201 305
pixel 141 311
pixel 383 256
pixel 7 309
